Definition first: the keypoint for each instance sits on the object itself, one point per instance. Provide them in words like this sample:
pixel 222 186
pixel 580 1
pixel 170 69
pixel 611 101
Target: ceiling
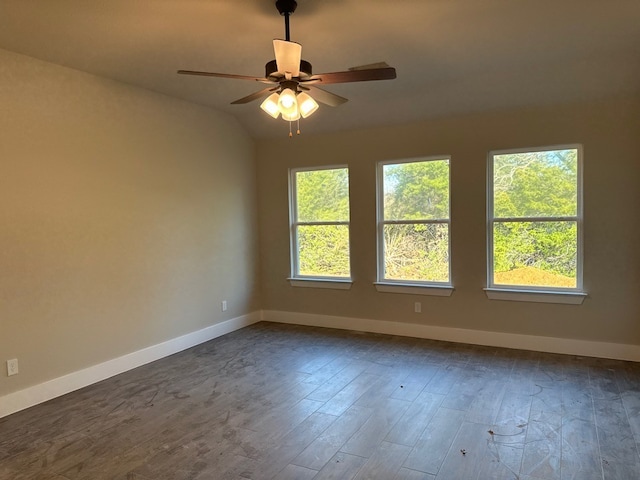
pixel 451 56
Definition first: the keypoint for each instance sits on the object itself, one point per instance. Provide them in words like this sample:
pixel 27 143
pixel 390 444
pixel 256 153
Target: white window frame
pixel 533 293
pixel 416 287
pixel 297 280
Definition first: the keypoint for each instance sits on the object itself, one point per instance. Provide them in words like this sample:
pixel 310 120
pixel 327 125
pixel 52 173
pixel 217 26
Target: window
pixel 319 215
pixel 413 223
pixel 535 219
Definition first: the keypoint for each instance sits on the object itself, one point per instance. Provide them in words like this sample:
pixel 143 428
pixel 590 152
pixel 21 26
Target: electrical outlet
pixel 224 305
pixel 417 307
pixel 12 367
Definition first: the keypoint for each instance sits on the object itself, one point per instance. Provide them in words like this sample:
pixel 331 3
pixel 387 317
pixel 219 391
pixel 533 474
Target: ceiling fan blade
pixel 370 66
pixel 288 55
pixel 224 75
pixel 325 97
pixel 254 96
pixel 385 73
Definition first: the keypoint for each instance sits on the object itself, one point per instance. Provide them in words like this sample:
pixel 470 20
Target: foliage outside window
pixel 413 221
pixel 535 211
pixel 320 223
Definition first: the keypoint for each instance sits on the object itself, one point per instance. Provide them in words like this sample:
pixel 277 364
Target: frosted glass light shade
pixel 307 105
pixel 270 105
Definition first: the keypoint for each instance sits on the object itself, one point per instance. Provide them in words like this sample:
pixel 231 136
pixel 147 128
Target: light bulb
pixel 287 103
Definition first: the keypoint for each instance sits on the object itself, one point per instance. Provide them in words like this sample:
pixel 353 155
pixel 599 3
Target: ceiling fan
pixel 290 78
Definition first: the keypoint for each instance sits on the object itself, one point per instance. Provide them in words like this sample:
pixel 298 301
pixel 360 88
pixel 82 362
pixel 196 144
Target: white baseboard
pixel 568 346
pixel 16 401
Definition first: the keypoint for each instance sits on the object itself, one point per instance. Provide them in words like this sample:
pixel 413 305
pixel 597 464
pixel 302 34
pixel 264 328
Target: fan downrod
pixel 286 9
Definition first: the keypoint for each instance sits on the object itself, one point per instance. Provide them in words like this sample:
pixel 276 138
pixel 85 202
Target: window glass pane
pixel 417 252
pixel 323 195
pixel 537 254
pixel 416 191
pixel 536 184
pixel 323 250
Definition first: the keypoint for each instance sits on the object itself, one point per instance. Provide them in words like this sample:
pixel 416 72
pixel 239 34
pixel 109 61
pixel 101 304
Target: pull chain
pixel 298 132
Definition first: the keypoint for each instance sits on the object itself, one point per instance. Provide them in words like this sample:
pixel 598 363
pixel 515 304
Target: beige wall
pixel 610 133
pixel 125 218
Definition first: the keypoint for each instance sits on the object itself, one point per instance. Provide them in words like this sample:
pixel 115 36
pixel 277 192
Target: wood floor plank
pixel 409 428
pixel 385 462
pixel 282 419
pixel 275 458
pixel 547 398
pixel 474 454
pixel 365 441
pixel 631 403
pixel 341 467
pixel 315 363
pixel 295 472
pixel 445 379
pixel 406 474
pixel 614 470
pixel 604 383
pixel 580 466
pixel 340 380
pixel 579 436
pixel 410 389
pixel 346 397
pixel 513 417
pixel 435 441
pixel 615 436
pixel 542 451
pixel 486 403
pixel 323 448
pixel 329 370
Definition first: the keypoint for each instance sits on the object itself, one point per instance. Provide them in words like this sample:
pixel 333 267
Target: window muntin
pixel 320 223
pixel 535 219
pixel 413 221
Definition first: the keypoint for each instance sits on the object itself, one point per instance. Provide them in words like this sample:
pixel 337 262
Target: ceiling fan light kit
pixel 295 83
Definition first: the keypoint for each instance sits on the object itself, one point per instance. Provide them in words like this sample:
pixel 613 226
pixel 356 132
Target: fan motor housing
pixel 271 70
pixel 286 6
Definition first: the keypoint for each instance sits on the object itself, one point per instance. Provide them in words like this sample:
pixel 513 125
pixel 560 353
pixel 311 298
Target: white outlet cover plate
pixel 12 367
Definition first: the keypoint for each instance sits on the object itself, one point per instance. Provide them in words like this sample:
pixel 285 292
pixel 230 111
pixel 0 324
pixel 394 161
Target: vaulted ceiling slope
pixel 452 56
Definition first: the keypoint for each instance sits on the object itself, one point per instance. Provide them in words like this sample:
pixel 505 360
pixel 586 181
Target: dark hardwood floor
pixel 286 402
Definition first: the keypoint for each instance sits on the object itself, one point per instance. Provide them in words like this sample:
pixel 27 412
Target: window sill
pixel 567 298
pixel 321 283
pixel 414 289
